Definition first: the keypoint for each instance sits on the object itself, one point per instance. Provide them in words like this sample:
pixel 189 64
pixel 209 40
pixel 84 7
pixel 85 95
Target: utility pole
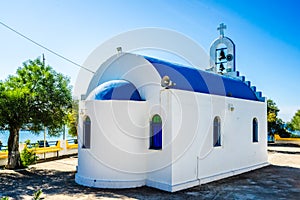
pixel 45 129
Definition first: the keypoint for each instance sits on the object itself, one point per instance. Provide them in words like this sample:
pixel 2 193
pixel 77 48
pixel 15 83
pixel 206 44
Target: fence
pixel 49 149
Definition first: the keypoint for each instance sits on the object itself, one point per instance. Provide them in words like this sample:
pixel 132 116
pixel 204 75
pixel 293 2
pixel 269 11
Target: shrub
pixel 37 195
pixel 28 157
pixel 27 142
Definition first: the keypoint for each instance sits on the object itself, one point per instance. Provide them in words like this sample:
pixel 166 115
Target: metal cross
pixel 221 29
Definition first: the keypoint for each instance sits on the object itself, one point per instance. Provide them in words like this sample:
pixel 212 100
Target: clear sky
pixel 266 34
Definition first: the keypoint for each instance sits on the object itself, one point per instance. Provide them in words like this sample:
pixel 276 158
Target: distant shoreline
pixel 25 135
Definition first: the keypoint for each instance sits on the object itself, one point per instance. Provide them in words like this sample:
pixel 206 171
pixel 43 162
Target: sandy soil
pixel 281 180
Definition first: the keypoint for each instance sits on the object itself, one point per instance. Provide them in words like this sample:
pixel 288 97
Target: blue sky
pixel 266 34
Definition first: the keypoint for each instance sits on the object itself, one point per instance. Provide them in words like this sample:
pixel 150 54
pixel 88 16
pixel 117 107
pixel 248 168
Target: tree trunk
pixel 14 159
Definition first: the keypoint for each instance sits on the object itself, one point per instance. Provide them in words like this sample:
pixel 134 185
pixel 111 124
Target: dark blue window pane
pixel 86 133
pixel 255 130
pixel 156 133
pixel 217 132
pixel 157 136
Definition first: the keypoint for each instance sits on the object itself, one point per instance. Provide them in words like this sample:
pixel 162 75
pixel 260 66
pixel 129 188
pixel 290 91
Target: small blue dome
pixel 117 90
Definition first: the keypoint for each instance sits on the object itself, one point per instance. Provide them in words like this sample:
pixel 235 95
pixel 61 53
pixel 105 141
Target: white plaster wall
pixel 193 153
pixel 188 121
pixel 237 151
pixel 159 162
pixel 185 130
pixel 118 142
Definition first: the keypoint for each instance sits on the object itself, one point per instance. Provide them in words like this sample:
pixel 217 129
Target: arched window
pixel 217 132
pixel 156 133
pixel 254 130
pixel 86 133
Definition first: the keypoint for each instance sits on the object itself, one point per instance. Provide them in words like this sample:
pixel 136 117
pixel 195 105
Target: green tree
pixel 272 112
pixel 36 97
pixel 72 121
pixel 275 124
pixel 295 122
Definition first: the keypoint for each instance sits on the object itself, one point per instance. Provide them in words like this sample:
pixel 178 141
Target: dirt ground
pixel 280 180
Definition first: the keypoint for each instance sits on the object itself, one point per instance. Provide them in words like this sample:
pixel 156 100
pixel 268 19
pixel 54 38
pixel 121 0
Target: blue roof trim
pixel 192 79
pixel 117 90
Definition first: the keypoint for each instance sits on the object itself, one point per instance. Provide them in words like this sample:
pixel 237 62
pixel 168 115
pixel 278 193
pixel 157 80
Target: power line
pixel 42 46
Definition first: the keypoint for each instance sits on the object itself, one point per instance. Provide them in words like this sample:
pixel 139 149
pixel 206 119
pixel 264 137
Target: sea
pixel 296 133
pixel 27 135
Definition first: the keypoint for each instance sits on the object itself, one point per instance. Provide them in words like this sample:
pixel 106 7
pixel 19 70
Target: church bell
pixel 221 67
pixel 222 55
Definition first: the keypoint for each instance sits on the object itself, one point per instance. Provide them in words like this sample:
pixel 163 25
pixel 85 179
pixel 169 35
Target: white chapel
pixel 147 121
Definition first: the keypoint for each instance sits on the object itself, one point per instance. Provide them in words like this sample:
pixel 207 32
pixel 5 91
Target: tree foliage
pixel 51 95
pixel 275 124
pixel 12 101
pixel 72 121
pixel 272 111
pixel 36 97
pixel 295 122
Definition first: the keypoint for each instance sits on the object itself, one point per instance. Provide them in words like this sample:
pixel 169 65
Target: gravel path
pixel 281 180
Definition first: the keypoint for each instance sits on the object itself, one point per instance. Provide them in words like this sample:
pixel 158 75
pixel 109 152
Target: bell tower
pixel 222 53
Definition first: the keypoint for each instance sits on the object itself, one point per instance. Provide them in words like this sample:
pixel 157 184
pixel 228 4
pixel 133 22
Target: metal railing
pixel 72 141
pixel 3 148
pixel 40 143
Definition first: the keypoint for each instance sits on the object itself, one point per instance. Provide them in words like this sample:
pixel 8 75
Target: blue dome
pixel 195 80
pixel 117 90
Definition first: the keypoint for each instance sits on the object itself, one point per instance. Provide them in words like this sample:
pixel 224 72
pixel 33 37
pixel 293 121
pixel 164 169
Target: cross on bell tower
pixel 222 53
pixel 221 28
